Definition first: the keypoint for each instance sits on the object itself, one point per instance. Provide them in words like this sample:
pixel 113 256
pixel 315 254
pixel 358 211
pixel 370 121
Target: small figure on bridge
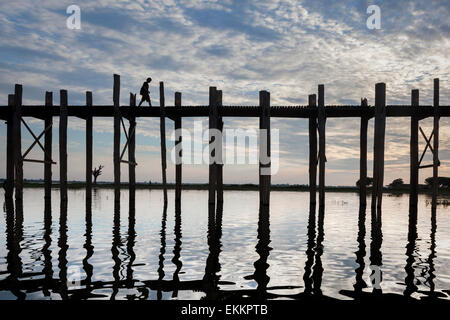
pixel 145 93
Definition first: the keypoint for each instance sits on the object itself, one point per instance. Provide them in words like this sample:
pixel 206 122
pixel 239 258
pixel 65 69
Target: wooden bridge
pixel 315 111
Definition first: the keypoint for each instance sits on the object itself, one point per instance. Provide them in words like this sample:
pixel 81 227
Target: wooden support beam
pixel 219 165
pixel 162 126
pixel 414 153
pixel 435 142
pixel 379 137
pixel 321 123
pixel 9 186
pixel 63 146
pixel 18 161
pixel 212 126
pixel 89 147
pixel 48 146
pixel 363 155
pixel 312 150
pixel 264 149
pixel 131 150
pixel 116 152
pixel 178 149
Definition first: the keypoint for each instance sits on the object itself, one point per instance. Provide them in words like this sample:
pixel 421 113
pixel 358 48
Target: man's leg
pixel 142 100
pixel 149 102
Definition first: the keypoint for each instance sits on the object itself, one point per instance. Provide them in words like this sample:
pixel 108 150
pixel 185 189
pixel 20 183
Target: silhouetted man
pixel 145 93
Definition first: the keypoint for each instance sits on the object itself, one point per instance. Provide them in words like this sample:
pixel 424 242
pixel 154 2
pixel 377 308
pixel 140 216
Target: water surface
pixel 286 252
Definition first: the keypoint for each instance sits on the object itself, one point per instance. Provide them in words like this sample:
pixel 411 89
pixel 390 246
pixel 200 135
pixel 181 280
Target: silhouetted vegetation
pixel 369 182
pixel 444 182
pixel 97 172
pixel 396 183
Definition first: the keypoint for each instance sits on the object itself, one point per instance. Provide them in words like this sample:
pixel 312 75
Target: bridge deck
pixel 344 111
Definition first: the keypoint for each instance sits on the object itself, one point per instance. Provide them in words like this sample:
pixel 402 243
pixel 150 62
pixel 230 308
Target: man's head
pixel 149 80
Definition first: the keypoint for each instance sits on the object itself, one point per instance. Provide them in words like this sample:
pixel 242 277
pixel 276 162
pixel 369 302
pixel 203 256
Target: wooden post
pixel 312 149
pixel 363 154
pixel 178 148
pixel 212 125
pixel 379 136
pixel 162 127
pixel 18 161
pixel 321 122
pixel 414 152
pixel 219 165
pixel 10 150
pixel 116 153
pixel 88 146
pixel 132 149
pixel 63 146
pixel 435 142
pixel 48 145
pixel 264 148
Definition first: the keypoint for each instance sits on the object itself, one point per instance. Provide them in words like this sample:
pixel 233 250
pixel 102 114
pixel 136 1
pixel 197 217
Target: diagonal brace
pixel 428 144
pixel 36 139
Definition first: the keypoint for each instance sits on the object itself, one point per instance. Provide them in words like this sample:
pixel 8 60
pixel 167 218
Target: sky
pixel 286 47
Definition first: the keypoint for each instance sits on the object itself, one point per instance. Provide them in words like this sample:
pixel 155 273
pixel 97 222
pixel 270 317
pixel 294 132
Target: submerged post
pixel 312 149
pixel 212 153
pixel 132 149
pixel 178 148
pixel 116 153
pixel 264 148
pixel 10 149
pixel 321 122
pixel 48 145
pixel 363 154
pixel 88 147
pixel 435 142
pixel 219 165
pixel 63 146
pixel 379 136
pixel 414 151
pixel 162 127
pixel 18 161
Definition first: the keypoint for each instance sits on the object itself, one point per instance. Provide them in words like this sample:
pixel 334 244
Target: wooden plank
pixel 293 112
pixel 116 152
pixel 131 150
pixel 379 137
pixel 436 117
pixel 312 151
pixel 18 160
pixel 162 126
pixel 9 186
pixel 212 125
pixel 39 161
pixel 63 146
pixel 363 156
pixel 178 149
pixel 322 159
pixel 414 153
pixel 89 146
pixel 219 164
pixel 264 149
pixel 48 146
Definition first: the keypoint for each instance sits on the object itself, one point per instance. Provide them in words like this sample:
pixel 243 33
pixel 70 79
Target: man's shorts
pixel 146 97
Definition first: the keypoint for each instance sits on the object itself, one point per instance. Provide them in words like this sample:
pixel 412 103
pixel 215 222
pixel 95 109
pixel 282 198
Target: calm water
pixel 235 252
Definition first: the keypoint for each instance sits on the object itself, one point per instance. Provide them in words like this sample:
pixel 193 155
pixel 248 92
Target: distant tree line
pixel 444 182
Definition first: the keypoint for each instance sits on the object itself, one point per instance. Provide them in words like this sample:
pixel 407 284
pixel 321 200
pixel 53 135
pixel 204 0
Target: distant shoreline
pixel 423 189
